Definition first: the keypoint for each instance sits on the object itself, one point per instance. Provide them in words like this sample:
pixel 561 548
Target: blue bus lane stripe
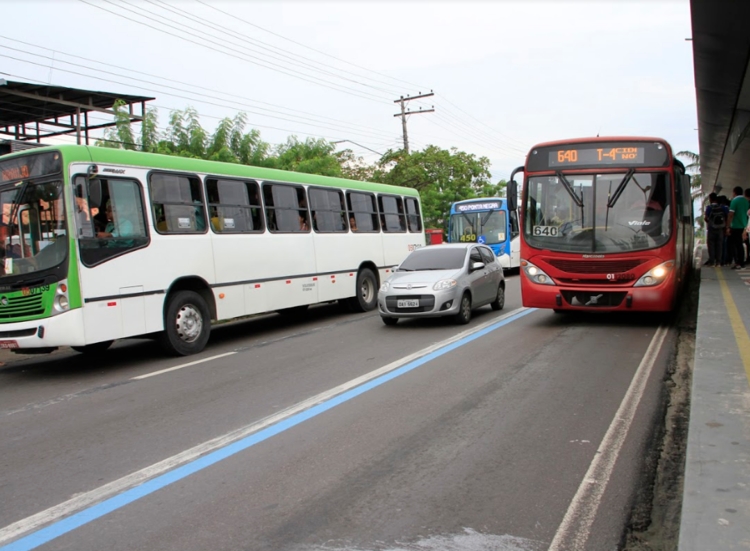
pixel 57 529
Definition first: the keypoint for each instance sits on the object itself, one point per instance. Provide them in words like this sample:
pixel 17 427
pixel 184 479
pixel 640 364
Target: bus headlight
pixel 535 274
pixel 61 303
pixel 655 275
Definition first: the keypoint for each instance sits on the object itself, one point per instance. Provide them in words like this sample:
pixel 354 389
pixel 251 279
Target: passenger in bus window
pixel 353 223
pixel 303 226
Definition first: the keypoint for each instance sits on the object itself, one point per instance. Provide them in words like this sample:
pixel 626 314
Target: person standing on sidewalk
pixel 736 225
pixel 716 218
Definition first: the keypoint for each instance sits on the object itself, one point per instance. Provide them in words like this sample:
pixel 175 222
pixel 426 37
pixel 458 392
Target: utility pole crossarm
pixel 404 112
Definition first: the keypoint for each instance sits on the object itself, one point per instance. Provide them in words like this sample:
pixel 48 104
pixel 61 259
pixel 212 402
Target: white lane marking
pixel 175 368
pixel 575 528
pixel 81 501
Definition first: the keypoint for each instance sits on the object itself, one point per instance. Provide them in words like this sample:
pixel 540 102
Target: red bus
pixel 606 225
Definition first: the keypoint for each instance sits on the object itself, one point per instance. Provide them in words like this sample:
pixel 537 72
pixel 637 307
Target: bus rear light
pixel 535 274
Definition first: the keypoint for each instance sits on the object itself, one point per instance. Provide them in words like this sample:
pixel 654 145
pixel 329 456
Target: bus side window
pixel 364 212
pixel 392 216
pixel 234 206
pixel 286 208
pixel 177 203
pixel 125 227
pixel 328 212
pixel 412 215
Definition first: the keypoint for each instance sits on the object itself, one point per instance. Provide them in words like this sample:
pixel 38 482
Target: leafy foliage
pixel 441 176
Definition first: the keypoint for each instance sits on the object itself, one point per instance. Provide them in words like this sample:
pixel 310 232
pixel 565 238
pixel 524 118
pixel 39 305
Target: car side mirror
pixel 476 266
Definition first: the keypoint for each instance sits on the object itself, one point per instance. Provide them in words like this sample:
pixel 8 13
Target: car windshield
pixel 469 227
pixel 598 213
pixel 33 234
pixel 434 258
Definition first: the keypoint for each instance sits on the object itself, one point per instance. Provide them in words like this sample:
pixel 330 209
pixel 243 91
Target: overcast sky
pixel 506 75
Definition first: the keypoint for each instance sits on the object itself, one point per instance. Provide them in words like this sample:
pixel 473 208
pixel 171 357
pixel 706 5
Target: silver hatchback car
pixel 443 280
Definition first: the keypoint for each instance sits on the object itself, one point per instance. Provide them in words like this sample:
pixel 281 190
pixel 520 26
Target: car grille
pixel 595 266
pixel 20 306
pixel 426 303
pixel 594 299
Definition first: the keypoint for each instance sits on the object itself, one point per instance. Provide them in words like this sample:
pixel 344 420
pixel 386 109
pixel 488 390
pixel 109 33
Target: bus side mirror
pixel 95 192
pixel 512 195
pixel 512 190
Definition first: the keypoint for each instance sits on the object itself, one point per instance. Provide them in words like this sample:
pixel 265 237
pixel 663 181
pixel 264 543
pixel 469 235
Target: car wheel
pixel 499 301
pixel 93 349
pixel 187 324
pixel 366 298
pixel 389 321
pixel 464 311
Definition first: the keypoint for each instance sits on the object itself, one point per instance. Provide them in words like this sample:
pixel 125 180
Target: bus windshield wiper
pixel 16 205
pixel 620 188
pixel 578 200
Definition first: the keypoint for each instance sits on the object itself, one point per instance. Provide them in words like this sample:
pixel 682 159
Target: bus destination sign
pixel 598 156
pixel 30 166
pixel 471 207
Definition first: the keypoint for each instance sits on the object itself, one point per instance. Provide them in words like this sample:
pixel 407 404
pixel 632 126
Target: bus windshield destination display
pixel 29 167
pixel 470 207
pixel 564 156
pixel 598 156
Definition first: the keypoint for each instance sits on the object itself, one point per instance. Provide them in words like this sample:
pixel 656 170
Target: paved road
pixel 488 444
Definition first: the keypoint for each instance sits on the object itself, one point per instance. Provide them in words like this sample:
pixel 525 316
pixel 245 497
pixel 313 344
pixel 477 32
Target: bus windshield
pixel 598 213
pixel 470 226
pixel 33 234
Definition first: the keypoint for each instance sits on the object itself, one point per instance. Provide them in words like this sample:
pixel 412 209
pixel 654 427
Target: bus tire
pixel 187 324
pixel 464 310
pixel 93 349
pixel 366 298
pixel 499 301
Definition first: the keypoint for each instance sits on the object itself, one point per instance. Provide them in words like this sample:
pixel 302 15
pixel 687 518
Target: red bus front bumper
pixel 600 298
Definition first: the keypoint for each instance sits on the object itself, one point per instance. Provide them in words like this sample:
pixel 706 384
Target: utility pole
pixel 404 112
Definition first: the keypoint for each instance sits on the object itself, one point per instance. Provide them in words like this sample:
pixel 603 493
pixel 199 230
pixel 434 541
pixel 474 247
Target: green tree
pixel 313 156
pixel 441 176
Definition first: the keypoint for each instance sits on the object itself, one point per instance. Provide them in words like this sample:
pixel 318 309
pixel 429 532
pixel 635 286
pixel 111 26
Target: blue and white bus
pixel 487 221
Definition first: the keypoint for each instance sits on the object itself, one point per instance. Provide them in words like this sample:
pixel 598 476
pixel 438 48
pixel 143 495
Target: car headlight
pixel 655 275
pixel 385 286
pixel 535 274
pixel 444 284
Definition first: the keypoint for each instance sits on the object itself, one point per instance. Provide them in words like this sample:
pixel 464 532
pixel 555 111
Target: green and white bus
pixel 102 244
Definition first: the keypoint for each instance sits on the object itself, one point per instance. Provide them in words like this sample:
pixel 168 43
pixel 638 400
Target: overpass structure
pixel 716 495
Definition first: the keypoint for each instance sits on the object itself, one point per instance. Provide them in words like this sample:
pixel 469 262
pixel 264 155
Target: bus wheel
pixel 367 292
pixel 93 349
pixel 499 302
pixel 464 311
pixel 187 324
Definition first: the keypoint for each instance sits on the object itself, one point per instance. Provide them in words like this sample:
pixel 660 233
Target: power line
pixel 234 16
pixel 212 90
pixel 332 86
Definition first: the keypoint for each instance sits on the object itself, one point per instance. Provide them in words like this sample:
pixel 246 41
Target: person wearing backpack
pixel 736 225
pixel 716 224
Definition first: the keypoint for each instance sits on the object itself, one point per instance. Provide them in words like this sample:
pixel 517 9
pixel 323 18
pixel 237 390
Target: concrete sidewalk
pixel 716 499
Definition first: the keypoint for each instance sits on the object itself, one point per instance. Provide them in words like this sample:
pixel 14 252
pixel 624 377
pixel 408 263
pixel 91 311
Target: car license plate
pixel 8 344
pixel 412 303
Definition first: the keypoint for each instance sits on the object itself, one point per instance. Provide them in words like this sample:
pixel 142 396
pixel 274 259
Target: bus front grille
pixel 596 299
pixel 21 306
pixel 595 266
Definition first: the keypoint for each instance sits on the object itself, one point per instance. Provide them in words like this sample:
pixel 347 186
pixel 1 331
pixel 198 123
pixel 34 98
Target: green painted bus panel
pixel 27 304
